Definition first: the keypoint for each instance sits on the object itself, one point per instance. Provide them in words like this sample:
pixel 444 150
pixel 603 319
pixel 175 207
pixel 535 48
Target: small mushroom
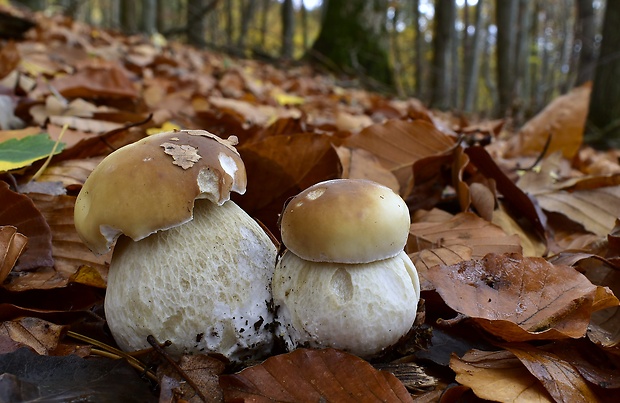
pixel 192 267
pixel 344 280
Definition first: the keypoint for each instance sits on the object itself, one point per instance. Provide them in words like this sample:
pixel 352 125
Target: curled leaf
pixel 519 298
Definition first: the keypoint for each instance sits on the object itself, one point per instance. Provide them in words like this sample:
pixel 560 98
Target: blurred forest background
pixel 480 58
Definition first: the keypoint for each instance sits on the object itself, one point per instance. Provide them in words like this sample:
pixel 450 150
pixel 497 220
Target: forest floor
pixel 514 231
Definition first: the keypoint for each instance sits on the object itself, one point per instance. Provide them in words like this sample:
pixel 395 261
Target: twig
pixel 111 352
pixel 153 342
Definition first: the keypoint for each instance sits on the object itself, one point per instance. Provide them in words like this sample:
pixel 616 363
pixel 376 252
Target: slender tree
pixel 419 50
pixel 149 16
pixel 196 23
pixel 288 29
pixel 247 15
pixel 507 12
pixel 603 122
pixel 445 15
pixel 586 32
pixel 351 39
pixel 472 68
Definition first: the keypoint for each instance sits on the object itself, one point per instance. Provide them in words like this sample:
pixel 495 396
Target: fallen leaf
pixel 560 378
pixel 12 244
pixel 398 144
pixel 203 370
pixel 96 79
pixel 465 229
pixel 70 254
pixel 19 211
pixel 498 376
pixel 313 375
pixel 40 335
pixel 19 153
pixel 563 119
pixel 279 167
pixel 361 164
pixel 519 298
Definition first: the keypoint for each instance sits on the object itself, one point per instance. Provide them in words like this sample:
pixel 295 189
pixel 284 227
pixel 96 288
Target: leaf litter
pixel 514 247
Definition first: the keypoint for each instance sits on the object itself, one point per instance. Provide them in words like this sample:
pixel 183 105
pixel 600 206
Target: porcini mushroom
pixel 192 266
pixel 344 280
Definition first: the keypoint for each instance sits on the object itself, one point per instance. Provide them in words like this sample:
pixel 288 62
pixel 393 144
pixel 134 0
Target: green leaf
pixel 18 153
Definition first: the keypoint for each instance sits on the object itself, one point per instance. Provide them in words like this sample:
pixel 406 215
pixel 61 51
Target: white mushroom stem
pixel 204 285
pixel 360 308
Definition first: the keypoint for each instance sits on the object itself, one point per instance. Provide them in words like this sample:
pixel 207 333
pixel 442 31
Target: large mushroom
pixel 192 267
pixel 344 280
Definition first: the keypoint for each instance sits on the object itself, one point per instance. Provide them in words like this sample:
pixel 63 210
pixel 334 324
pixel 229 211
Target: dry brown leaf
pixel 519 299
pixel 202 370
pixel 361 164
pixel 592 362
pixel 71 173
pixel 427 258
pixel 311 376
pixel 563 119
pixel 69 252
pixel 12 244
pixel 398 144
pixel 498 376
pixel 280 167
pixel 560 378
pixel 35 333
pixel 19 211
pixel 96 79
pixel 595 209
pixel 9 58
pixel 532 245
pixel 465 229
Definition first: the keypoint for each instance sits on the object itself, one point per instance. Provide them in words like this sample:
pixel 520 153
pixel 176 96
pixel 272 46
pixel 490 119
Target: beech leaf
pixel 519 298
pixel 498 376
pixel 311 376
pixel 464 229
pixel 12 244
pixel 19 153
pixel 560 378
pixel 19 211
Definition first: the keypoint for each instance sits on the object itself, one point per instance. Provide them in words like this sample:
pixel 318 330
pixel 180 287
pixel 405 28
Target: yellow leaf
pixel 166 127
pixel 287 99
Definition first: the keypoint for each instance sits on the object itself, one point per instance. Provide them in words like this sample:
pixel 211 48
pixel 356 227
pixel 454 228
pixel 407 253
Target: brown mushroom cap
pixel 151 185
pixel 345 221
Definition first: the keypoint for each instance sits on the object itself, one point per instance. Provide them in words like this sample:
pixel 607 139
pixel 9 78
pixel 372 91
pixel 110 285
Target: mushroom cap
pixel 360 308
pixel 204 285
pixel 345 221
pixel 151 185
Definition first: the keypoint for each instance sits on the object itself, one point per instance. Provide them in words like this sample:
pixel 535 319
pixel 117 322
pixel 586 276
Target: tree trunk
pixel 603 123
pixel 351 40
pixel 288 29
pixel 506 15
pixel 586 32
pixel 162 16
pixel 34 5
pixel 129 17
pixel 304 25
pixel 419 50
pixel 247 15
pixel 445 15
pixel 149 16
pixel 521 64
pixel 196 23
pixel 230 24
pixel 263 24
pixel 397 54
pixel 473 66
